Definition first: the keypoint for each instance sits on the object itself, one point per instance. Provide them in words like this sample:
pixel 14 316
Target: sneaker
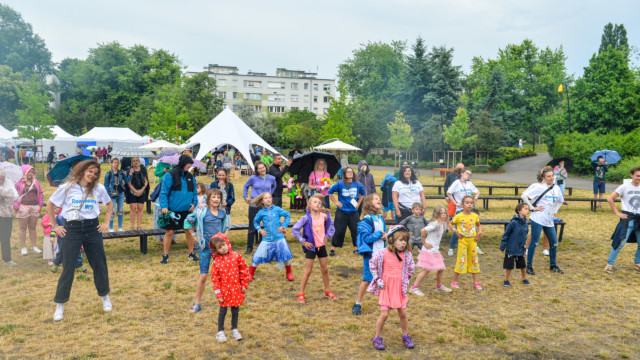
pixel 454 284
pixel 450 253
pixel 81 269
pixel 526 282
pixel 636 267
pixel 377 343
pixel 236 335
pixel 406 339
pixel 10 263
pixel 507 283
pixel 357 310
pixel 545 252
pixel 50 262
pixel 416 291
pixel 530 270
pixel 120 229
pixel 165 259
pixel 111 230
pixel 59 314
pixel 249 251
pixel 332 252
pixel 477 286
pixel 442 289
pixel 556 269
pixel 23 251
pixel 36 250
pixel 609 269
pixel 480 252
pixel 106 303
pixel 54 268
pixel 193 257
pixel 221 337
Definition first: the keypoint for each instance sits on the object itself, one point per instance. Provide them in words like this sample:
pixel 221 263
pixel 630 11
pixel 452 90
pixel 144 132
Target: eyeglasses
pixel 348 172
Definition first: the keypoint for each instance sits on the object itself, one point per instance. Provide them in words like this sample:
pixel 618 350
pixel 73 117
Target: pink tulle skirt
pixel 430 261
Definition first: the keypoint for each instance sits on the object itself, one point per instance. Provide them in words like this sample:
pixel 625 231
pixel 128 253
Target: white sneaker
pixel 442 289
pixel 450 253
pixel 480 252
pixel 36 250
pixel 120 229
pixel 110 229
pixel 545 252
pixel 59 314
pixel 236 334
pixel 416 291
pixel 106 303
pixel 23 251
pixel 221 336
pixel 608 269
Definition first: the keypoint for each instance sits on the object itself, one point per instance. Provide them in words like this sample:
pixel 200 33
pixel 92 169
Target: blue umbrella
pixel 610 156
pixel 61 170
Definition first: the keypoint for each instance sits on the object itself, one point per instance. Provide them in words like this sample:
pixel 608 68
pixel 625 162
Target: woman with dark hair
pixel 259 184
pixel 223 184
pixel 138 184
pixel 350 195
pixel 547 199
pixel 115 183
pixel 79 198
pixel 404 163
pixel 406 191
pixel 179 196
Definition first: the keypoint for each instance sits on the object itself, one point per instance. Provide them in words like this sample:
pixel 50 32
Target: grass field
pixel 585 313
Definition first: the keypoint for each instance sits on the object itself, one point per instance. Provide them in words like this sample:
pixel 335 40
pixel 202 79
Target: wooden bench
pixel 443 172
pixel 491 187
pixel 486 199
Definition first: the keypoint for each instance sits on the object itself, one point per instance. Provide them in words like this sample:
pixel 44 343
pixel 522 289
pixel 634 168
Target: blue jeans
pixel 119 203
pixel 562 186
pixel 614 252
pixel 454 239
pixel 536 231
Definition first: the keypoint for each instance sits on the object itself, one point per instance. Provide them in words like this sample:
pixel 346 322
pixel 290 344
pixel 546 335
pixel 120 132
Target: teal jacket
pixel 196 219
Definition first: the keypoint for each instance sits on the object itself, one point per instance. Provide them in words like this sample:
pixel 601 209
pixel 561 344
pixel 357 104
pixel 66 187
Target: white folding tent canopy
pixel 227 128
pixel 5 134
pixel 115 136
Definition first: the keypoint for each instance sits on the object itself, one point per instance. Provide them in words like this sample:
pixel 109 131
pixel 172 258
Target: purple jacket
pixel 259 185
pixel 307 234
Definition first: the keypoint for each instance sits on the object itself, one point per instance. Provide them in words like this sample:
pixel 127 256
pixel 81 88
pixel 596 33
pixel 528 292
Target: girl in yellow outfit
pixel 468 230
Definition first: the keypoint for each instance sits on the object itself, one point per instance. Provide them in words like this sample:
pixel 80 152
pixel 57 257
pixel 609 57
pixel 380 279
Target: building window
pixel 326 87
pixel 253 96
pixel 222 94
pixel 221 82
pixel 275 85
pixel 252 84
pixel 325 111
pixel 306 86
pixel 294 108
pixel 275 97
pixel 235 95
pixel 306 98
pixel 235 108
pixel 315 98
pixel 252 108
pixel 276 109
pixel 234 82
pixel 315 87
pixel 294 86
pixel 326 99
pixel 294 98
pixel 315 110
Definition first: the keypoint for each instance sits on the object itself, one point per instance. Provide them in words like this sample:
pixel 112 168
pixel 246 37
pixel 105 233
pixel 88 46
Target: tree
pixel 369 122
pixel 21 49
pixel 615 37
pixel 338 123
pixel 455 133
pixel 400 132
pixel 416 80
pixel 170 121
pixel 10 82
pixel 34 121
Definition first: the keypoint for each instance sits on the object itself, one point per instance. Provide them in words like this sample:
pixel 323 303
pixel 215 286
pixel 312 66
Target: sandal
pixel 301 298
pixel 195 308
pixel 331 295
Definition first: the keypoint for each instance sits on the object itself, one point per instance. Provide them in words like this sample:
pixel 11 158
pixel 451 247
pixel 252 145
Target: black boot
pixel 249 250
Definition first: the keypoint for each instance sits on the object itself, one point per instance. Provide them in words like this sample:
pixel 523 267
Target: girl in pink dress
pixel 391 269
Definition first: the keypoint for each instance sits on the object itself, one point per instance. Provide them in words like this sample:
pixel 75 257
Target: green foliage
pixel 10 82
pixel 34 122
pixel 622 169
pixel 338 123
pixel 369 122
pixel 512 153
pixel 614 37
pixel 264 126
pixel 481 334
pixel 400 132
pixel 485 135
pixel 170 121
pixel 496 163
pixel 456 132
pixel 21 49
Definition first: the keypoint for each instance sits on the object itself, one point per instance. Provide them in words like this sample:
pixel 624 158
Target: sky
pixel 260 35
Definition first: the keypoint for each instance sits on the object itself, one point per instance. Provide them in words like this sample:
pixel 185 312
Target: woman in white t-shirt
pixel 456 192
pixel 79 199
pixel 629 225
pixel 544 200
pixel 406 191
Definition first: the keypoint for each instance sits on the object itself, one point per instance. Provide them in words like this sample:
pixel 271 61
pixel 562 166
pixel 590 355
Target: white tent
pixel 337 145
pixel 111 134
pixel 161 145
pixel 4 133
pixel 227 128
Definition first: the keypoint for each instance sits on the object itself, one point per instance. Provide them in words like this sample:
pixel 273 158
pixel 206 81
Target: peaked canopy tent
pixel 5 134
pixel 227 128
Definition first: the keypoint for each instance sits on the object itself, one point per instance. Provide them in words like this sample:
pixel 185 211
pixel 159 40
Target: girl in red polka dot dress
pixel 230 277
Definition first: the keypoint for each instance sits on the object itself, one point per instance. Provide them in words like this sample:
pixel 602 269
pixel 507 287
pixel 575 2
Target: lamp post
pixel 560 89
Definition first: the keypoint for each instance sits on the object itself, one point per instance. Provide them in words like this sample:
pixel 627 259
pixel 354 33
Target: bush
pixel 430 165
pixel 387 162
pixel 512 153
pixel 496 163
pixel 480 169
pixel 622 169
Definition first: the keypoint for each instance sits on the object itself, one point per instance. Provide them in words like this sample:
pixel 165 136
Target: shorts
pixel 599 187
pixel 205 260
pixel 511 260
pixel 467 260
pixel 178 224
pixel 320 252
pixel 418 245
pixel 26 211
pixel 389 207
pixel 386 308
pixel 366 270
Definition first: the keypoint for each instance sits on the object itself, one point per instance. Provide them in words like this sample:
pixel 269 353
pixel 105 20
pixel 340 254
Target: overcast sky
pixel 261 35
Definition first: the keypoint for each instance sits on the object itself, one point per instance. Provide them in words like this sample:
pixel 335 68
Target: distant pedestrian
pixel 600 169
pixel 561 176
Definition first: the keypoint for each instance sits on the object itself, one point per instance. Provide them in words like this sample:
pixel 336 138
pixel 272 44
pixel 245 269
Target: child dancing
pixel 430 258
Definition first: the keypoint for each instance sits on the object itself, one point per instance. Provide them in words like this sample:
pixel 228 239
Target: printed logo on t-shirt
pixel 634 202
pixel 352 193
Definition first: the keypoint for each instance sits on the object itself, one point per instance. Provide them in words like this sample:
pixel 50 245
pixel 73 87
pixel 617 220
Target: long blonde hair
pixel 437 211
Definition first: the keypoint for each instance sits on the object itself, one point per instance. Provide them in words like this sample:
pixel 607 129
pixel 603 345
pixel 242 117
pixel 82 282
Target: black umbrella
pixel 568 163
pixel 303 165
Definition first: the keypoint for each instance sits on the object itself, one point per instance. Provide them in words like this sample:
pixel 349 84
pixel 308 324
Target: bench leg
pixel 439 190
pixel 143 244
pixel 490 190
pixel 561 232
pixel 570 191
pixel 148 206
pixel 516 191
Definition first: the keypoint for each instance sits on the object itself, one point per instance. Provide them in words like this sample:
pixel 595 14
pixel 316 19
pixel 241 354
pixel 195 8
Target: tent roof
pixel 57 131
pixel 161 144
pixel 4 133
pixel 111 134
pixel 337 145
pixel 227 128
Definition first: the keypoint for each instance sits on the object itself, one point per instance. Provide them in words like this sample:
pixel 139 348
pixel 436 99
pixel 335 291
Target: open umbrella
pixel 131 152
pixel 168 152
pixel 303 165
pixel 13 171
pixel 568 163
pixel 173 160
pixel 162 145
pixel 62 168
pixel 610 156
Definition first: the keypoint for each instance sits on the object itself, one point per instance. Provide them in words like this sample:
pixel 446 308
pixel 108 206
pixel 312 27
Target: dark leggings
pixel 234 317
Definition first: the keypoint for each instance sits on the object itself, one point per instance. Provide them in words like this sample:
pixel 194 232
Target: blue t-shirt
pixel 212 225
pixel 347 192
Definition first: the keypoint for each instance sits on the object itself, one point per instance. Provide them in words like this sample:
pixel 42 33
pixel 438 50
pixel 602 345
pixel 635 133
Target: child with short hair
pixel 468 230
pixel 430 258
pixel 273 246
pixel 513 244
pixel 414 224
pixel 317 228
pixel 392 269
pixel 230 282
pixel 372 233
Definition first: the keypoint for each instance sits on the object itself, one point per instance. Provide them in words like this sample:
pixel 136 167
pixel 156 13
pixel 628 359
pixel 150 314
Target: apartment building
pixel 259 93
